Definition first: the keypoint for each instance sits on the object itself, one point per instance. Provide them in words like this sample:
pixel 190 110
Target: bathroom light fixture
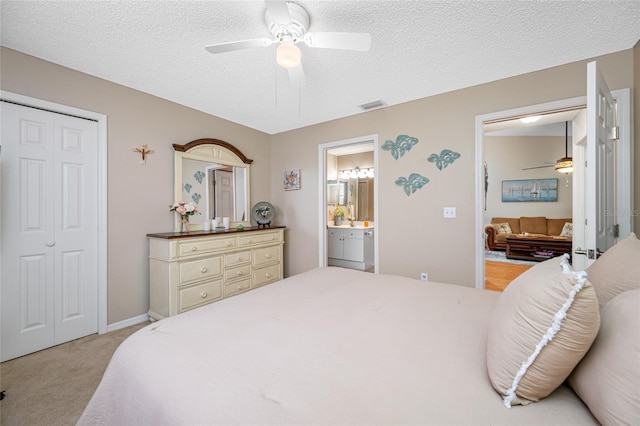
pixel 357 173
pixel 565 164
pixel 288 55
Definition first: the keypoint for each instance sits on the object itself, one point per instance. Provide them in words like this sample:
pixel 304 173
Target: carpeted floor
pixel 53 386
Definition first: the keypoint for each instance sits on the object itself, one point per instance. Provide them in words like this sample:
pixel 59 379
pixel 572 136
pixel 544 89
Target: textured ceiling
pixel 419 49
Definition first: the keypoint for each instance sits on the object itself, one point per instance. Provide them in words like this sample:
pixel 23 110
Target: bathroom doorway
pixel 347 178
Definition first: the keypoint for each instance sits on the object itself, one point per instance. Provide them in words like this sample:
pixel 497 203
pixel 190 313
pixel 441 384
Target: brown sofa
pixel 533 226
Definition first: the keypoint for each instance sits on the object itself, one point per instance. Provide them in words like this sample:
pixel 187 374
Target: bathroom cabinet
pixel 350 248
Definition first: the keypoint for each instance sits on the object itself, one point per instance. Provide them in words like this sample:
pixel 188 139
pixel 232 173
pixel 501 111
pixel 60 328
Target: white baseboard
pixel 128 322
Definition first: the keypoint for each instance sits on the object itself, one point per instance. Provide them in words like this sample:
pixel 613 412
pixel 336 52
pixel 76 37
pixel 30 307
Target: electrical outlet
pixel 449 212
pixel 424 276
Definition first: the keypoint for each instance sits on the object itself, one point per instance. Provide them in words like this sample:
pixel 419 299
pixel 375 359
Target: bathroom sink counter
pixel 346 225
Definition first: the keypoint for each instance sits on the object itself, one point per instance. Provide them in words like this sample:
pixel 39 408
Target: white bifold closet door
pixel 48 232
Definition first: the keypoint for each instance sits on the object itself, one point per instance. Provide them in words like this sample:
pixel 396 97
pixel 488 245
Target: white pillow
pixel 567 230
pixel 503 228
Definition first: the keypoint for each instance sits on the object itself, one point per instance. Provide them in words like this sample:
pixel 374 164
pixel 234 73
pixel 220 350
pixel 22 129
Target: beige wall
pixel 413 236
pixel 506 156
pixel 138 196
pixel 636 106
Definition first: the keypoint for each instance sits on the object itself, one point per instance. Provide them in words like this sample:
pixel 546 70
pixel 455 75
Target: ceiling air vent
pixel 371 105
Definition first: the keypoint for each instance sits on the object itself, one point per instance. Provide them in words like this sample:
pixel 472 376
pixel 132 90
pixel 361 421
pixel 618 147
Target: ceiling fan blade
pixel 239 45
pixel 296 76
pixel 279 11
pixel 346 41
pixel 539 167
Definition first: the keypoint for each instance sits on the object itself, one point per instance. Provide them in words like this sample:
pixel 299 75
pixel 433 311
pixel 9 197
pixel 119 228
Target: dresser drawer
pixel 258 238
pixel 238 258
pixel 237 287
pixel 266 255
pixel 237 273
pixel 201 246
pixel 200 269
pixel 266 275
pixel 199 295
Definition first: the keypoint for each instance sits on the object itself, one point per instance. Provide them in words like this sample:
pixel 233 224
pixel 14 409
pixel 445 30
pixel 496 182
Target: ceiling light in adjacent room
pixel 288 55
pixel 565 164
pixel 530 119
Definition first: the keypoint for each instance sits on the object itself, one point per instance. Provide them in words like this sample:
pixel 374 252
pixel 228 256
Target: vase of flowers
pixel 184 210
pixel 338 215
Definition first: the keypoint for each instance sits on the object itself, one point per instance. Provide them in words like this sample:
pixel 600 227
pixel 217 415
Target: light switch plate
pixel 449 212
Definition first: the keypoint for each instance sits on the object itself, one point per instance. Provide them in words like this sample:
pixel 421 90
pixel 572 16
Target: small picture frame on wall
pixel 291 179
pixel 530 190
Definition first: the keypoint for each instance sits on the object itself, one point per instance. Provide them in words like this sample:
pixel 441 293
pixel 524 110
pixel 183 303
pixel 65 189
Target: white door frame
pixel 623 165
pixel 101 119
pixel 322 190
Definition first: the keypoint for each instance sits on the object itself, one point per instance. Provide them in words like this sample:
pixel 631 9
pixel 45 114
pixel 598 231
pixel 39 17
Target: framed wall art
pixel 291 179
pixel 530 190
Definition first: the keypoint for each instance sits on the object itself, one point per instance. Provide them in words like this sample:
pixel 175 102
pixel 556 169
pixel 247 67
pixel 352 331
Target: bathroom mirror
pixel 355 194
pixel 214 175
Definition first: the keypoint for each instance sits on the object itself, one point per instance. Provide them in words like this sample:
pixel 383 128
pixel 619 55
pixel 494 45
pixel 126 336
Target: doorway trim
pixel 623 161
pixel 322 190
pixel 101 119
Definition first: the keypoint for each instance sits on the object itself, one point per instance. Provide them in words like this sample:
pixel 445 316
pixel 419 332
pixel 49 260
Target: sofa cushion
pixel 543 324
pixel 514 223
pixel 534 225
pixel 503 228
pixel 608 378
pixel 555 226
pixel 616 270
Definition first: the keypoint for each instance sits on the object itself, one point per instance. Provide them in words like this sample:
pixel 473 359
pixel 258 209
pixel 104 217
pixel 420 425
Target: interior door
pixel 599 179
pixel 49 288
pixel 224 193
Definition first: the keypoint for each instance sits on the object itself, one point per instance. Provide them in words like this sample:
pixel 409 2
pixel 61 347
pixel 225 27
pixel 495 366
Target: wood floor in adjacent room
pixel 498 275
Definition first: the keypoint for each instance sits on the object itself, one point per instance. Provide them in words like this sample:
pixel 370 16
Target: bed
pixel 329 346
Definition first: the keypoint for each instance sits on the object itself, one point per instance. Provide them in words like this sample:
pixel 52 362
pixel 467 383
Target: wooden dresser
pixel 188 270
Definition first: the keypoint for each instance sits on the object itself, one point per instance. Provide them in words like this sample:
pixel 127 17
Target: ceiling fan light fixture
pixel 288 55
pixel 564 165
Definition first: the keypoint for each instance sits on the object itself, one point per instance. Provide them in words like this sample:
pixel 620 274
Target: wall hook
pixel 143 152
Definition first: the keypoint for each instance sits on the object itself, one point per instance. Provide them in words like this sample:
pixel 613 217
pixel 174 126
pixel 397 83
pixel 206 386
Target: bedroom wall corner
pixel 635 178
pixel 413 235
pixel 138 195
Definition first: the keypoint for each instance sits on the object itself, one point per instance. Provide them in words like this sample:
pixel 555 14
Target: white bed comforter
pixel 331 346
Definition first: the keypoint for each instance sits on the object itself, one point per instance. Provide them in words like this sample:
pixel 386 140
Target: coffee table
pixel 537 248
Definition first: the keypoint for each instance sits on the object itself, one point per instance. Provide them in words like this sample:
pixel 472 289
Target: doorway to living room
pixel 520 157
pixel 584 190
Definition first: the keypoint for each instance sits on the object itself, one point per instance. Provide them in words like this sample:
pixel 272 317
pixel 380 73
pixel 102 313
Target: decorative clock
pixel 263 213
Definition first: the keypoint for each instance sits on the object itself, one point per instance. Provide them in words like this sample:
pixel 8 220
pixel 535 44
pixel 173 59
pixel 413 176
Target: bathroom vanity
pixel 351 247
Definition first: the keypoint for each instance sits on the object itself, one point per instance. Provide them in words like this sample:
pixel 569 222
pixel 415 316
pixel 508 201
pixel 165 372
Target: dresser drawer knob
pixel 239 287
pixel 228 243
pixel 268 256
pixel 203 270
pixel 239 273
pixel 194 248
pixel 203 295
pixel 268 275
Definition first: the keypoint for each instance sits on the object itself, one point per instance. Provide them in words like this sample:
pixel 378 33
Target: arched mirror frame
pixel 214 151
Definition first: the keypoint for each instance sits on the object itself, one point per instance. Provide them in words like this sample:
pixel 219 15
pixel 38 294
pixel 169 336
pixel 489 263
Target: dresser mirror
pixel 215 176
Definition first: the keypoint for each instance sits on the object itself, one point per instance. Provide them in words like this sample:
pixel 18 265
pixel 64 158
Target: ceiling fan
pixel 565 164
pixel 288 23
